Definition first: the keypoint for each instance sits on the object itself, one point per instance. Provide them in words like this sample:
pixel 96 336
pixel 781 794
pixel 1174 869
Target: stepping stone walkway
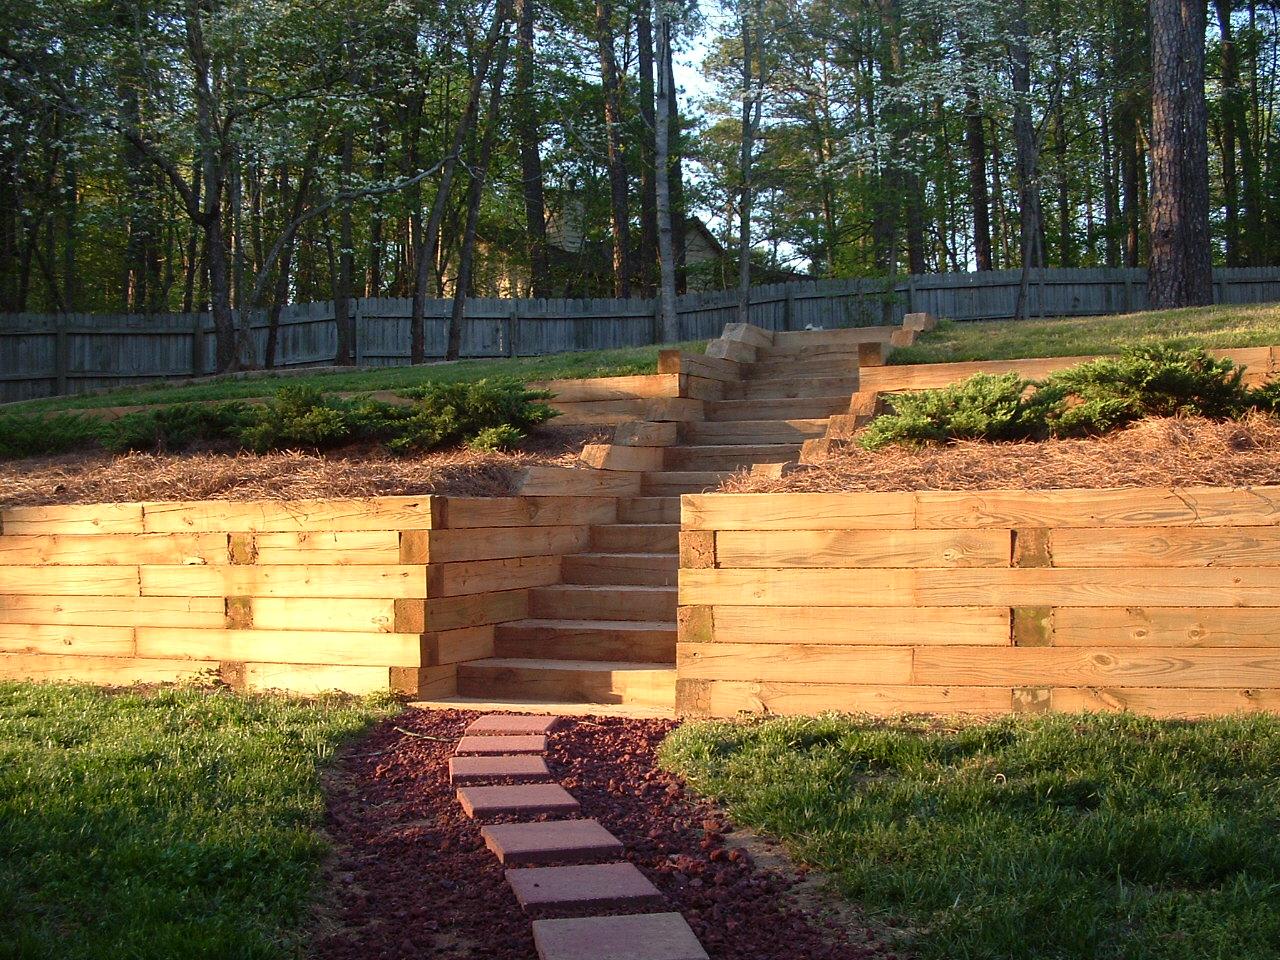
pixel 519 768
pixel 555 867
pixel 553 842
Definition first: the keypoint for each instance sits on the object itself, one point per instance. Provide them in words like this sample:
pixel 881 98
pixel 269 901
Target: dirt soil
pixel 411 876
pixel 352 472
pixel 1152 453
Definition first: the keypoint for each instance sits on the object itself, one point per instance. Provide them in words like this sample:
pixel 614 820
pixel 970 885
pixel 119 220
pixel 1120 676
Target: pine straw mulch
pixel 290 475
pixel 1152 453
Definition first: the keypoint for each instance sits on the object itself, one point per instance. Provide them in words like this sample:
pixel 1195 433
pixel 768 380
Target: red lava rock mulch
pixel 411 876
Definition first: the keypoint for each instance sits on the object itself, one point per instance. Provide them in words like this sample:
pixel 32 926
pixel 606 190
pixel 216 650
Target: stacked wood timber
pixel 1161 601
pixel 388 593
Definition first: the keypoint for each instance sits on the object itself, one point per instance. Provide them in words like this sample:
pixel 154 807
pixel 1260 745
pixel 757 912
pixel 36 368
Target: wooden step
pixel 804 341
pixel 778 409
pixel 796 350
pixel 575 601
pixel 728 456
pixel 582 681
pixel 649 510
pixel 640 569
pixel 652 641
pixel 804 365
pixel 752 431
pixel 794 388
pixel 636 537
pixel 670 483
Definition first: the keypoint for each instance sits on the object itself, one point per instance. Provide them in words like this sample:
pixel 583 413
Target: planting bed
pixel 411 876
pixel 290 475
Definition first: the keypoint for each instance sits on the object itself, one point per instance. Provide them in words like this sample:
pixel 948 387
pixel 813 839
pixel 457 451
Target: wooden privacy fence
pixel 1160 601
pixel 42 355
pixel 388 593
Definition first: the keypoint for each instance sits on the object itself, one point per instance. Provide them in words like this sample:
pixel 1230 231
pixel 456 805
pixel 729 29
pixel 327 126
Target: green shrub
pixel 1266 398
pixel 984 407
pixel 179 427
pixel 298 416
pixel 24 435
pixel 1151 381
pixel 504 437
pixel 1092 398
pixel 448 413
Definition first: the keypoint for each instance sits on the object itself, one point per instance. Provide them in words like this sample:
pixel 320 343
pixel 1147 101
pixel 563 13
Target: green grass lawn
pixel 561 366
pixel 1252 325
pixel 173 823
pixel 1046 838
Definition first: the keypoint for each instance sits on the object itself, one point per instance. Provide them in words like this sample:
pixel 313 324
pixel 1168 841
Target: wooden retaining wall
pixel 1164 602
pixel 388 593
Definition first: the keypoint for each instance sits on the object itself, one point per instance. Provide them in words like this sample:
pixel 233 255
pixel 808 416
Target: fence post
pixel 197 346
pixel 513 329
pixel 788 309
pixel 61 359
pixel 357 325
pixel 1128 290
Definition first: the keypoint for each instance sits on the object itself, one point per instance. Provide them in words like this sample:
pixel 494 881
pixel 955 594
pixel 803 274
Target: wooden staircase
pixel 607 633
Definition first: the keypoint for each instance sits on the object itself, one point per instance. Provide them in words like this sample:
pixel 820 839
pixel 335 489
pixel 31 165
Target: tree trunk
pixel 1180 272
pixel 527 133
pixel 675 175
pixel 668 321
pixel 616 160
pixel 428 245
pixel 752 103
pixel 976 142
pixel 648 195
pixel 475 193
pixel 1027 163
pixel 344 355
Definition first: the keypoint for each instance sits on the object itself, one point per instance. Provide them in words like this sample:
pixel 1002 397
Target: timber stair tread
pixel 749 432
pixel 619 569
pixel 683 481
pixel 649 510
pixel 587 681
pixel 608 640
pixel 795 388
pixel 768 408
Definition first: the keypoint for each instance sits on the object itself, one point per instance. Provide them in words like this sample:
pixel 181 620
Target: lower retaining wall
pixel 387 593
pixel 1164 602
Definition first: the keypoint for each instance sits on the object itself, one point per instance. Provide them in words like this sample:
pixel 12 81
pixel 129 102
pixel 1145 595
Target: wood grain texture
pixel 725 698
pixel 1100 666
pixel 612 456
pixel 337 547
pixel 1015 587
pixel 862 548
pixel 472 512
pixel 266 516
pixel 73 519
pixel 316 678
pixel 571 481
pixel 66 639
pixel 92 581
pixel 375 615
pixel 109 549
pixel 334 647
pixel 908 626
pixel 1167 547
pixel 390 581
pixel 1174 702
pixel 193 612
pixel 490 543
pixel 109 671
pixel 641 386
pixel 1167 626
pixel 1186 506
pixel 798 511
pixel 794 662
pixel 491 576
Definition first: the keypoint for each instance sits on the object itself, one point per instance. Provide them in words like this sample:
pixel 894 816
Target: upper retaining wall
pixel 1160 601
pixel 388 593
